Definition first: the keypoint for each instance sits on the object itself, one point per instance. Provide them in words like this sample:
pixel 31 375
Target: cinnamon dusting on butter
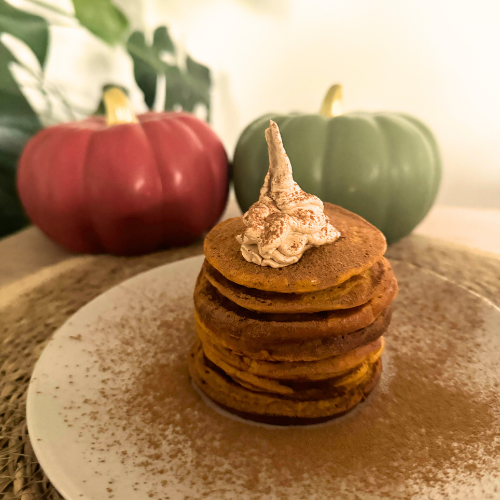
pixel 285 221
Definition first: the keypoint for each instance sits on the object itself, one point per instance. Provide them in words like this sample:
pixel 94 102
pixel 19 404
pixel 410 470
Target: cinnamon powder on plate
pixel 430 430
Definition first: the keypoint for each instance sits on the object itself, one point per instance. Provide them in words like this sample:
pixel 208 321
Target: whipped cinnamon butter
pixel 286 221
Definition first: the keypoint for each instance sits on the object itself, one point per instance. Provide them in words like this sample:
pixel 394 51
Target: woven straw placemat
pixel 31 310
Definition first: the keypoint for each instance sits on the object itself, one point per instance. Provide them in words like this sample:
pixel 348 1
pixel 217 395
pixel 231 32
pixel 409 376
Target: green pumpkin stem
pixel 332 103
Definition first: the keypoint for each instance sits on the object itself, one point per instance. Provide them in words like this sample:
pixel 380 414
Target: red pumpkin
pixel 124 185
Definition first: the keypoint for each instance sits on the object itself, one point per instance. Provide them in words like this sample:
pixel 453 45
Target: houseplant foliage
pixel 188 82
pixel 18 121
pixel 384 166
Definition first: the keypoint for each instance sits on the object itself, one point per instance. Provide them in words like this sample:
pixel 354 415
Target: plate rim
pixel 62 482
pixel 40 450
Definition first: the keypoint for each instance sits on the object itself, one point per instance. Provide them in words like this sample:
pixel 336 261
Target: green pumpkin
pixel 385 167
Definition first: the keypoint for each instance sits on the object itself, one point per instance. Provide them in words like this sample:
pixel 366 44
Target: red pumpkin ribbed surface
pixel 125 189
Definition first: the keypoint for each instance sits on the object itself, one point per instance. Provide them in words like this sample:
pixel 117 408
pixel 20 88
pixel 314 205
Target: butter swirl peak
pixel 285 221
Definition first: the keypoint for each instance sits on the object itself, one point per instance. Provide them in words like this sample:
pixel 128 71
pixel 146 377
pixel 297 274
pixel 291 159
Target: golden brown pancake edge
pixel 221 315
pixel 358 248
pixel 264 407
pixel 355 291
pixel 300 350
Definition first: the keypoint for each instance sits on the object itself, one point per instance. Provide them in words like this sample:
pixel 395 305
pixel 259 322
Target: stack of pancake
pixel 299 344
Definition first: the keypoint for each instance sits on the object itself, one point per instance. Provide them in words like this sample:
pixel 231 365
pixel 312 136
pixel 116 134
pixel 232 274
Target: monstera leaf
pixel 102 18
pixel 31 29
pixel 147 60
pixel 18 121
pixel 186 86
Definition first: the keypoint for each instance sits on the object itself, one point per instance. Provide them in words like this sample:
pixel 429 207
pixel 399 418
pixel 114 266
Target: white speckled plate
pixel 430 430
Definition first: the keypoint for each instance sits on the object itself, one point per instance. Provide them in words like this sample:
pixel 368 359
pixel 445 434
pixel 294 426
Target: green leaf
pixel 103 18
pixel 101 108
pixel 200 82
pixel 177 88
pixel 18 122
pixel 16 112
pixel 147 65
pixel 31 29
pixel 12 215
pixel 199 72
pixel 147 60
pixel 149 54
pixel 162 41
pixel 187 89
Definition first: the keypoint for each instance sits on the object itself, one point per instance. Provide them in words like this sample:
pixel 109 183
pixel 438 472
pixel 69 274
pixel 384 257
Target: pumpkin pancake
pixel 354 292
pixel 322 403
pixel 312 349
pixel 358 248
pixel 290 305
pixel 303 389
pixel 218 313
pixel 333 366
pixel 277 381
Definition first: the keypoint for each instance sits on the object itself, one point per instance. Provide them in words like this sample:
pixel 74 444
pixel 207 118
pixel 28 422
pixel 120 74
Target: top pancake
pixel 358 248
pixel 353 292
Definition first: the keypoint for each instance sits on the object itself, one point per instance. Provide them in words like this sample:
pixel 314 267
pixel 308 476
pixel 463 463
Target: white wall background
pixel 436 59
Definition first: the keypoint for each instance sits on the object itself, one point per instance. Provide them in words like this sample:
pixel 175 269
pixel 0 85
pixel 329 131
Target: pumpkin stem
pixel 118 108
pixel 332 103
